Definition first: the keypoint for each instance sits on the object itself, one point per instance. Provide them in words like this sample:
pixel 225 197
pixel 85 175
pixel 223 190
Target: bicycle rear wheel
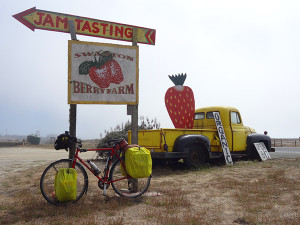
pixel 48 177
pixel 130 188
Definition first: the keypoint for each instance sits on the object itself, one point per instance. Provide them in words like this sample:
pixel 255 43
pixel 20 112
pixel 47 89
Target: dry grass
pixel 246 193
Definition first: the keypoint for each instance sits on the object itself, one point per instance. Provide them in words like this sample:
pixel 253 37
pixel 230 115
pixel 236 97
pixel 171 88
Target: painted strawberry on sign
pixel 180 103
pixel 103 71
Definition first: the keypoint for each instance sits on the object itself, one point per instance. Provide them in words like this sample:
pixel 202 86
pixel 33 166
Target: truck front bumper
pixel 168 155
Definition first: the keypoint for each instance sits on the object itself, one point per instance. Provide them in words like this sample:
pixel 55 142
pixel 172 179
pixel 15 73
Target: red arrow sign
pixel 44 20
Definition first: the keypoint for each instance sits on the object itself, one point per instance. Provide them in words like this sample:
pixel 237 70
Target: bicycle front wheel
pixel 48 177
pixel 127 187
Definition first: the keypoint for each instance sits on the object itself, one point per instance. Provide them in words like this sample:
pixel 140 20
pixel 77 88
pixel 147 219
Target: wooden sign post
pixel 134 109
pixel 73 107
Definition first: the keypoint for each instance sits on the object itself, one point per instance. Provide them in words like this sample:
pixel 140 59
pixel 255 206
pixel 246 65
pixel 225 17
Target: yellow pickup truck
pixel 202 143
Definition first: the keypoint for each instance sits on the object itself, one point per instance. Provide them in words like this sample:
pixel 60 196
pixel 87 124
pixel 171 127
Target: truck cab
pixel 236 132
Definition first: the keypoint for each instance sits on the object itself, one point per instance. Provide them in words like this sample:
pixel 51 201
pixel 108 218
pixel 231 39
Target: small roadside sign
pixel 44 20
pixel 262 151
pixel 222 138
pixel 102 73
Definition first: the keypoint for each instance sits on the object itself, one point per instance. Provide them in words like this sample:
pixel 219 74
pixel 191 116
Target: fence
pixel 285 142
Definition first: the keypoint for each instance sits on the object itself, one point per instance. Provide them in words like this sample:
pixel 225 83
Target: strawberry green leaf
pixel 178 79
pixel 84 67
pixel 105 57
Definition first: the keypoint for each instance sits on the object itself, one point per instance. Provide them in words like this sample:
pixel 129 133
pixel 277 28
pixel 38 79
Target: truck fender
pixel 183 143
pixel 255 138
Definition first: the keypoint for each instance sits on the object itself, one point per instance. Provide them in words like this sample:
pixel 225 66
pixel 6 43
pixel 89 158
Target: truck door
pixel 238 132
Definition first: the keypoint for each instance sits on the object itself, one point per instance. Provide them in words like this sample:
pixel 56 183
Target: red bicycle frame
pixel 105 179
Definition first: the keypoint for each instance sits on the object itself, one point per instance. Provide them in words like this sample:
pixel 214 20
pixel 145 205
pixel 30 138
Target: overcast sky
pixel 235 53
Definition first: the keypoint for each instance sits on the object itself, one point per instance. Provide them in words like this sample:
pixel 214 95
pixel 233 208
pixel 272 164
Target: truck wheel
pixel 195 157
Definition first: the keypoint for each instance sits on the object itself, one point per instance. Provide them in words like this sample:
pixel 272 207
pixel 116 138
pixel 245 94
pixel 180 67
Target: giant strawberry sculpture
pixel 104 71
pixel 180 103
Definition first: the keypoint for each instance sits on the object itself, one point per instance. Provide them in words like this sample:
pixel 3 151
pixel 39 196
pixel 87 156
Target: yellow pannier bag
pixel 138 162
pixel 123 171
pixel 65 184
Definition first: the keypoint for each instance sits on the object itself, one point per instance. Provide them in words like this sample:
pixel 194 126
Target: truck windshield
pixel 209 115
pixel 199 116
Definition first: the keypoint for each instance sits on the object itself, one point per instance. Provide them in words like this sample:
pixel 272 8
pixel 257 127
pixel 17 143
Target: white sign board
pixel 223 139
pixel 102 73
pixel 262 151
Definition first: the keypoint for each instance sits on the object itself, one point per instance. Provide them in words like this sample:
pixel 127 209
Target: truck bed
pixel 154 140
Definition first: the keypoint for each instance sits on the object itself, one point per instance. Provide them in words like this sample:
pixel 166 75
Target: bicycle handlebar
pixel 115 141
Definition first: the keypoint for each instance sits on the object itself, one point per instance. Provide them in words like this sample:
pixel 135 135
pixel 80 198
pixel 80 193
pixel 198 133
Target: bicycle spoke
pixel 48 177
pixel 131 187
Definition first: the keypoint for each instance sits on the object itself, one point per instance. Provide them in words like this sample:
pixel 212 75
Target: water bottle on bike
pixel 95 168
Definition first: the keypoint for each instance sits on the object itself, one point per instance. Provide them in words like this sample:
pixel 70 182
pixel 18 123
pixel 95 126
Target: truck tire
pixel 254 154
pixel 196 156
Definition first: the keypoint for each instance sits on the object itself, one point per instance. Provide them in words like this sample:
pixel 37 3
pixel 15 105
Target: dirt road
pixel 13 159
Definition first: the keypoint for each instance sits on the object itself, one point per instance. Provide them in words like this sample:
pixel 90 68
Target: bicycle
pixel 122 184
